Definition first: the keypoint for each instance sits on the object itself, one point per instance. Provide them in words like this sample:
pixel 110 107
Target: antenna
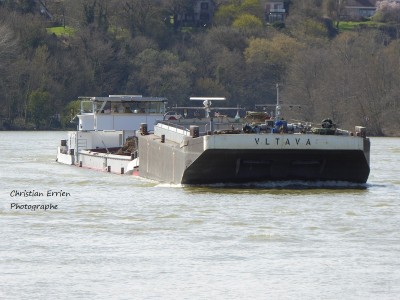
pixel 277 108
pixel 207 102
pixel 208 98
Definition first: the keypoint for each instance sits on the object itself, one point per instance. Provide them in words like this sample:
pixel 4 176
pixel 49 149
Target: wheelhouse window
pixel 87 107
pixel 147 107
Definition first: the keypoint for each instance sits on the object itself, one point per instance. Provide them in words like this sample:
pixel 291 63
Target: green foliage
pixel 242 14
pixel 208 87
pixel 61 31
pixel 143 17
pixel 247 21
pixel 351 25
pixel 131 46
pixel 267 63
pixel 162 74
pixel 230 38
pixel 278 51
pixel 251 7
pixel 39 108
pixel 226 14
pixel 69 113
pixel 30 31
pixel 314 28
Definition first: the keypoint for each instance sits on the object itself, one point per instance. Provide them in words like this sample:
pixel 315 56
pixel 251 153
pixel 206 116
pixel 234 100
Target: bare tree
pixel 8 47
pixel 8 44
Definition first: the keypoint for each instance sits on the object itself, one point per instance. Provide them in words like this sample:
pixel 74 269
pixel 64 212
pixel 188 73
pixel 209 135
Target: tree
pixel 8 52
pixel 230 72
pixel 334 10
pixel 161 73
pixel 222 37
pixel 251 7
pixel 226 14
pixel 105 61
pixel 376 82
pixel 39 108
pixel 387 11
pixel 89 9
pixel 142 16
pixel 244 13
pixel 22 6
pixel 175 8
pixel 128 47
pixel 271 56
pixel 247 21
pixel 29 30
pixel 353 79
pixel 308 8
pixel 8 44
pixel 209 87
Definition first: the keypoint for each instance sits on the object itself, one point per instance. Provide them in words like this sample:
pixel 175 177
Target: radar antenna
pixel 207 102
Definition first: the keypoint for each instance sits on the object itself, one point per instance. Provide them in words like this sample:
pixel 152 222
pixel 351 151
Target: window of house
pixel 204 17
pixel 189 17
pixel 276 18
pixel 204 5
pixel 366 12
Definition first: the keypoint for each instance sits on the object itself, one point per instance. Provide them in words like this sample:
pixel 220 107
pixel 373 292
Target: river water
pixel 121 237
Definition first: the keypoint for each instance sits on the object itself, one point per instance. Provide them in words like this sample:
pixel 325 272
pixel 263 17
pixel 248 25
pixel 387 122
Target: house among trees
pixel 275 11
pixel 43 9
pixel 201 13
pixel 358 9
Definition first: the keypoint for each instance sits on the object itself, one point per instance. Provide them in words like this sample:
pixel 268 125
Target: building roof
pixel 124 98
pixel 361 3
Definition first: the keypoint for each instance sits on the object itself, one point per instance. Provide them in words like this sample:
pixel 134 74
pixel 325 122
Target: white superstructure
pixel 104 124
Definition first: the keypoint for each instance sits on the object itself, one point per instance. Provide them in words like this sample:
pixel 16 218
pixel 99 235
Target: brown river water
pixel 72 233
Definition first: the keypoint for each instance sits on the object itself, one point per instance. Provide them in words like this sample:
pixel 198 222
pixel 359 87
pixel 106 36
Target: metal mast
pixel 277 108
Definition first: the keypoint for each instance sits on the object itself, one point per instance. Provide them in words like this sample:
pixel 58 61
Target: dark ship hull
pixel 216 166
pixel 239 159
